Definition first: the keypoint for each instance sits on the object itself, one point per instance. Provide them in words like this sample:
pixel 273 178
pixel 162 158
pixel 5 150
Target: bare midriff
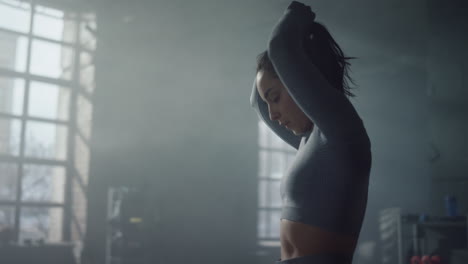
pixel 298 239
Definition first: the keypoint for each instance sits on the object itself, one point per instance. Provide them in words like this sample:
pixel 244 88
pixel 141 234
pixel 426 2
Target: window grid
pixel 21 159
pixel 269 177
pixel 18 206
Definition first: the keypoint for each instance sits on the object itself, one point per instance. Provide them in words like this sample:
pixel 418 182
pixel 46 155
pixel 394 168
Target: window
pixel 46 87
pixel 275 156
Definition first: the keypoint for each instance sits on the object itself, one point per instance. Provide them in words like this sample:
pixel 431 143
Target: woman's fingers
pixel 301 8
pixel 296 5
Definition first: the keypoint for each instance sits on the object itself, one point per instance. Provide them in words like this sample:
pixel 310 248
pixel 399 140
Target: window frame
pixel 76 90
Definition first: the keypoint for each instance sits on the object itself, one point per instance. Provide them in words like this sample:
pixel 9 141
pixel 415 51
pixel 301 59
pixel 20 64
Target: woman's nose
pixel 274 115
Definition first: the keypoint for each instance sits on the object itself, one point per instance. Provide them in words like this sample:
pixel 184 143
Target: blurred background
pixel 127 136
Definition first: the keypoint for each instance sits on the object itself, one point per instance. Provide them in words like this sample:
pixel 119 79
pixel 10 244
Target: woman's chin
pixel 297 133
pixel 301 132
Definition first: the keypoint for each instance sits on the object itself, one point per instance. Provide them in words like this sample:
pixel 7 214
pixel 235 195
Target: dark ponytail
pixel 329 58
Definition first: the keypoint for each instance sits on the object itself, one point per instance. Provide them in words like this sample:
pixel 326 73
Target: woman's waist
pixel 299 239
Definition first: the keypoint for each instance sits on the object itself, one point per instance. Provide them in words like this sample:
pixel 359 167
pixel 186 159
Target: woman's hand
pixel 295 22
pixel 301 10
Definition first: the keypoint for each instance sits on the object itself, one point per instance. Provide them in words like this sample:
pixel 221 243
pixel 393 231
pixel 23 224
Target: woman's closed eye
pixel 276 99
pixel 273 97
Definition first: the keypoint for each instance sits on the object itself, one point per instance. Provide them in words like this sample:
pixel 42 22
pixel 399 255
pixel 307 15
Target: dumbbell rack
pixel 407 235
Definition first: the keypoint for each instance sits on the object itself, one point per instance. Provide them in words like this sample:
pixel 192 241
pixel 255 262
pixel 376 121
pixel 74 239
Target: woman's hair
pixel 325 53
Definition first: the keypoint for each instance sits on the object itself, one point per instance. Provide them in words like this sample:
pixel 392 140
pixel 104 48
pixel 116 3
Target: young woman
pixel 300 92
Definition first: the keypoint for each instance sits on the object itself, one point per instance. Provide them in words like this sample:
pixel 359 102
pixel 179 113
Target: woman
pixel 301 92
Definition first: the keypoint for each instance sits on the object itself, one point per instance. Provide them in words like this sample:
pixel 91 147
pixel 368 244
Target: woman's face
pixel 281 106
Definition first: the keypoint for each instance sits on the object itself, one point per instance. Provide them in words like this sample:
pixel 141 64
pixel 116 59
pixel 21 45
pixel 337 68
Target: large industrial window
pixel 275 155
pixel 46 87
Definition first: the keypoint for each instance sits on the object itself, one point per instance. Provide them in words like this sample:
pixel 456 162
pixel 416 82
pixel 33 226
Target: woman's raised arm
pixel 326 106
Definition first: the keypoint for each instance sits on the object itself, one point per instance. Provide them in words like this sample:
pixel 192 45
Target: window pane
pixel 11 95
pixel 49 101
pixel 51 59
pixel 15 15
pixel 87 68
pixel 84 116
pixel 263 134
pixel 87 27
pixel 263 193
pixel 7 217
pixel 274 228
pixel 44 140
pixel 78 209
pixel 52 12
pixel 87 79
pixel 8 179
pixel 14 50
pixel 289 159
pixel 275 141
pixel 69 28
pixel 43 183
pixel 288 148
pixel 41 223
pixel 10 134
pixel 275 196
pixel 82 157
pixel 263 163
pixel 86 59
pixel 278 164
pixel 48 23
pixel 262 224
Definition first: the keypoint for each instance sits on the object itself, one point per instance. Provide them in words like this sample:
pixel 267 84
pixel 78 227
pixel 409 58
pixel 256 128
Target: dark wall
pixel 448 71
pixel 172 112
